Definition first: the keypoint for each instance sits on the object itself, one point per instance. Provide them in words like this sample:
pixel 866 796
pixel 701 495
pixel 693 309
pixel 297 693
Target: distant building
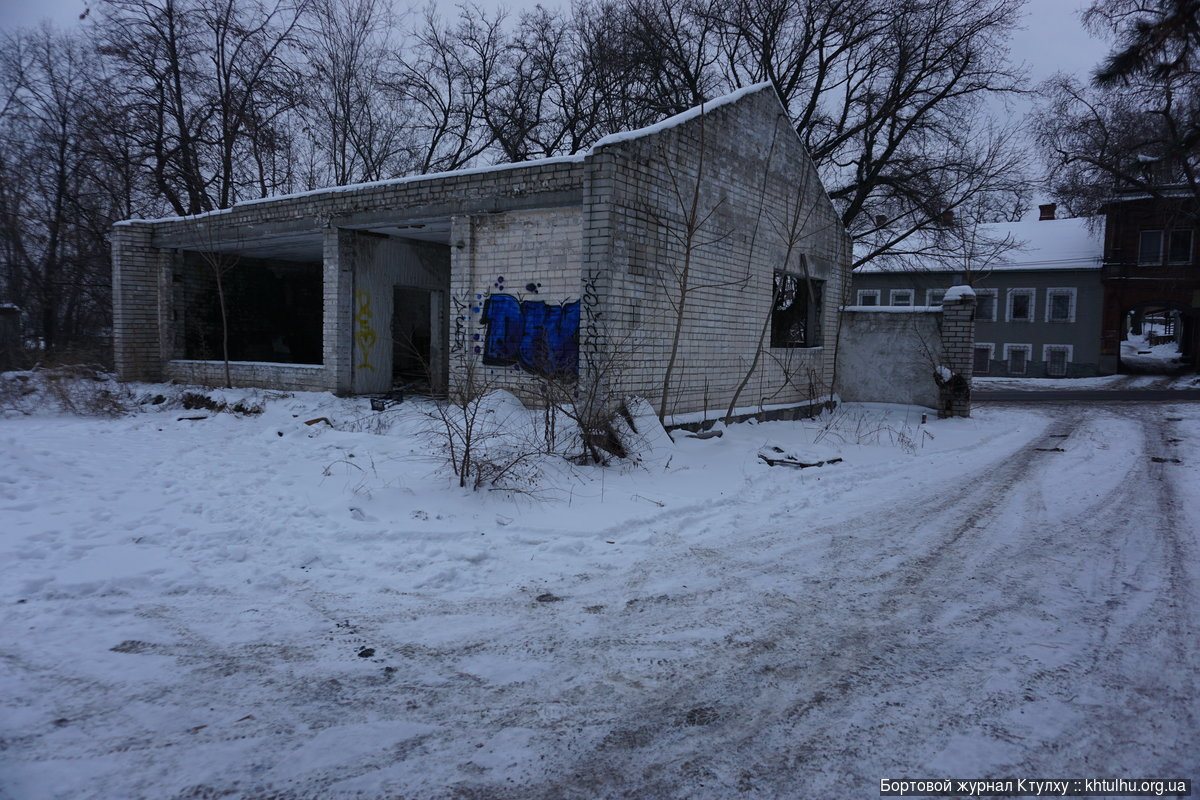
pixel 1151 267
pixel 1038 311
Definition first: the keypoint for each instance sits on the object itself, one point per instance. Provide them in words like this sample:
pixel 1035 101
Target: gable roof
pixel 680 118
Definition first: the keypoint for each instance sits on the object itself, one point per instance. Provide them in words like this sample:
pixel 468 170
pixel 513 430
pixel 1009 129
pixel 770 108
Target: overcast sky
pixel 1051 38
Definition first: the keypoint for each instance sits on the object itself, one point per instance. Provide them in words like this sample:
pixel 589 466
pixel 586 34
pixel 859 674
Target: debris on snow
pixel 777 456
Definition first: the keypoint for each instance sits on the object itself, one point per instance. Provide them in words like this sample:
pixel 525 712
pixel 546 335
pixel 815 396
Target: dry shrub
pixel 193 401
pixel 74 389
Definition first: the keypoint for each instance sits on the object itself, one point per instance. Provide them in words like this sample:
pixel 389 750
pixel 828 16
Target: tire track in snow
pixel 835 650
pixel 886 640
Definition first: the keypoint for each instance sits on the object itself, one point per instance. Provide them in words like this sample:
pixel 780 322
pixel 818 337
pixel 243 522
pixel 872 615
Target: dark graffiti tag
pixel 592 314
pixel 540 338
pixel 459 343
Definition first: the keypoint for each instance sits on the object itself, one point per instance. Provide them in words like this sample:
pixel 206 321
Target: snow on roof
pixel 1173 192
pixel 353 187
pixel 682 117
pixel 611 139
pixel 1076 243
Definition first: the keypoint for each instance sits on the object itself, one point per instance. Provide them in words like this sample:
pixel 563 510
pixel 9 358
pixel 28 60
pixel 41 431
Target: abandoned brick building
pixel 512 270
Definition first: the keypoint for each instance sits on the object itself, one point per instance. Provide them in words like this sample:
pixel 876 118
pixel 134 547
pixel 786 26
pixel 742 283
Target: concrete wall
pixel 142 303
pixel 1083 334
pixel 756 184
pixel 915 356
pixel 890 357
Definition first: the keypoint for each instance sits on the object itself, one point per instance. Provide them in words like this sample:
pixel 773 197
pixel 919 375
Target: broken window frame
pixel 784 319
pixel 273 310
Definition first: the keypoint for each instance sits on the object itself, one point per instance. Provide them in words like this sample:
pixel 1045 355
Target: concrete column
pixel 138 304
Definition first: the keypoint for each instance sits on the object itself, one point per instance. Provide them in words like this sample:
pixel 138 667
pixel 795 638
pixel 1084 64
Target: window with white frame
pixel 1057 357
pixel 983 353
pixel 1150 247
pixel 868 297
pixel 985 305
pixel 900 297
pixel 934 297
pixel 1017 356
pixel 1020 305
pixel 1060 304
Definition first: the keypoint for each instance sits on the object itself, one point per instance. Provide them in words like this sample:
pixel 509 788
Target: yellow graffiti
pixel 364 334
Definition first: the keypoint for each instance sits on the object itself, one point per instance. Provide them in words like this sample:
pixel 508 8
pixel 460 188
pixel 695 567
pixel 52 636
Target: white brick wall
pixel 530 255
pixel 757 183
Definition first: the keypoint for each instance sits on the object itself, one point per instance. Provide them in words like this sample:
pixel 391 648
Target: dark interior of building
pixel 273 309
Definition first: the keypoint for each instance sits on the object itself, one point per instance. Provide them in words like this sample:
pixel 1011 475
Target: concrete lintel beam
pixel 471 205
pixel 204 235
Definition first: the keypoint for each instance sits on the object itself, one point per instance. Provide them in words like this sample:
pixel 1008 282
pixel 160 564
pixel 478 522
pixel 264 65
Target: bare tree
pixel 791 226
pixel 54 212
pixel 1138 125
pixel 444 76
pixel 689 225
pixel 1156 37
pixel 218 264
pixel 884 93
pixel 358 119
pixel 208 81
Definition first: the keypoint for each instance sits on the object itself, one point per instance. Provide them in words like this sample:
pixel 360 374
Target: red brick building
pixel 1151 265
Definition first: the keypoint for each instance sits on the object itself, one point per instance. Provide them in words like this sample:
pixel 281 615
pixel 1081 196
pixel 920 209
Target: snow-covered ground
pixel 249 606
pixel 1137 355
pixel 995 383
pixel 986 382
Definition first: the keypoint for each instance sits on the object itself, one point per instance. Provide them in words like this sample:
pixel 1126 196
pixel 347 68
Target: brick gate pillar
pixel 958 341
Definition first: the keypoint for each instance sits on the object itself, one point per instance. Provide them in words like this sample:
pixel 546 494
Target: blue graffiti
pixel 540 338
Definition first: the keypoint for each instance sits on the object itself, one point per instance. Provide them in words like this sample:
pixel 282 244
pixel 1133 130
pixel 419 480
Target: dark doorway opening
pixel 1155 340
pixel 412 327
